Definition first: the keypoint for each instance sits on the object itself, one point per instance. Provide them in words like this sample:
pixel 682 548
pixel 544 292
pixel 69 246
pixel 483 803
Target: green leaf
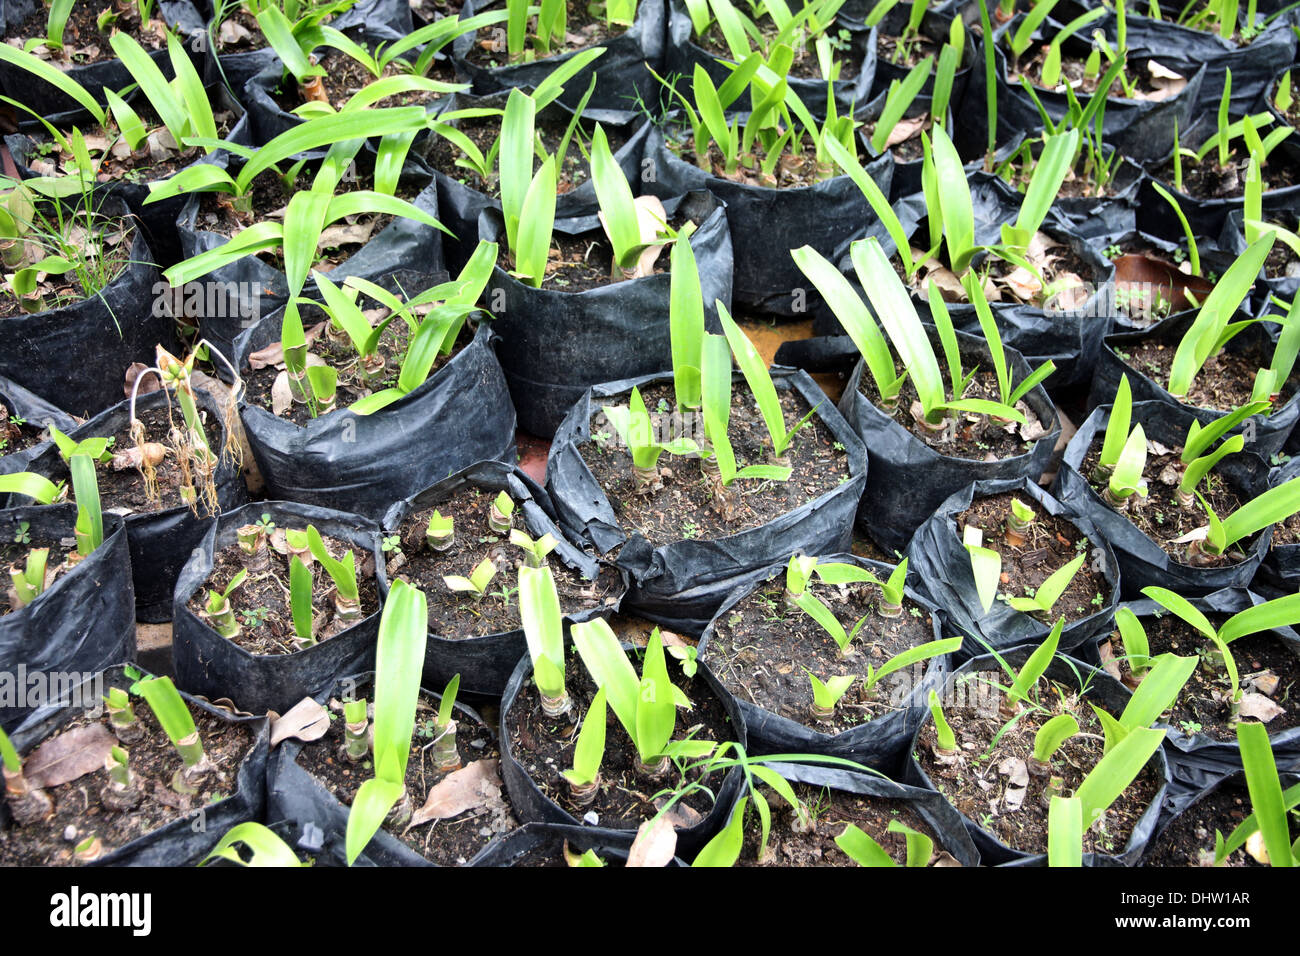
pixel 55 77
pixel 34 486
pixel 266 846
pixel 686 321
pixel 515 161
pixel 1052 734
pixel 615 198
pixel 539 610
pixel 656 711
pixel 724 849
pixel 986 566
pixel 913 655
pixel 300 584
pixel 85 486
pixel 823 615
pixel 342 572
pixel 609 668
pixel 901 95
pixel 1276 504
pixel 1158 690
pixel 956 208
pixel 165 701
pixel 589 751
pixel 1065 831
pixel 1136 646
pixel 369 807
pixel 399 662
pixel 537 219
pixel 279 33
pixel 1051 589
pixel 1036 665
pixel 1126 479
pixel 1115 771
pixel 760 384
pixel 919 846
pixel 1279 613
pixel 862 849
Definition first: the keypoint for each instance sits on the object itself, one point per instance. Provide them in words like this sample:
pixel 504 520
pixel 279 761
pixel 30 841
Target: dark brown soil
pixel 580 263
pixel 1282 263
pixel 255 40
pixel 1207 180
pixel 1224 383
pixel 544 748
pixel 16 433
pixel 345 77
pixel 261 602
pixel 832 812
pixel 1052 543
pixel 760 649
pixel 1189 839
pixel 126 488
pixel 889 50
pixel 551 126
pixel 426 11
pixel 82 38
pixel 455 615
pixel 973 784
pixel 980 440
pixel 78 807
pixel 1072 73
pixel 62 290
pixel 804 66
pixel 687 506
pixel 13 553
pixel 450 842
pixel 1159 515
pixel 582 31
pixel 1199 708
pixel 339 353
pixel 791 172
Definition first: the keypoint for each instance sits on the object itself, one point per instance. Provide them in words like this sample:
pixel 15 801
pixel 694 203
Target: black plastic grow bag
pixel 908 478
pixel 77 355
pixel 57 107
pixel 943 567
pixel 1267 434
pixel 766 224
pixel 1102 689
pixel 160 540
pixel 611 846
pixel 556 344
pixel 207 663
pixel 682 54
pixel 187 840
pixel 1207 751
pixel 1281 565
pixel 82 624
pixel 531 804
pixel 1143 562
pixel 295 797
pixel 238 295
pixel 362 463
pixel 878 743
pixel 624 80
pixel 1183 796
pixel 486 663
pixel 37 412
pixel 682 584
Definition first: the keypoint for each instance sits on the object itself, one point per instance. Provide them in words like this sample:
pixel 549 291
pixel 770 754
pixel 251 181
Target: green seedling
pixel 539 610
pixel 1065 832
pixel 121 792
pixel 300 587
pixel 476 584
pixel 356 731
pixel 28 805
pixel 1282 612
pixel 1200 438
pixel 645 706
pixel 985 566
pixel 1273 506
pixel 218 608
pixel 634 426
pixel 1049 739
pixel 1269 803
pixel 1137 649
pixel 446 757
pixel 121 716
pixel 588 752
pixel 347 594
pixel 826 694
pixel 1019 520
pixel 1049 592
pixel 440 532
pixel 399 661
pixel 176 721
pixel 29 582
pixel 945 740
pixel 1026 679
pixel 500 512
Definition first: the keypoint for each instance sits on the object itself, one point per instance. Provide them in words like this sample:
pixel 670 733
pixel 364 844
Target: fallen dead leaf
pixel 945 859
pixel 905 130
pixel 305 721
pixel 273 354
pixel 281 394
pixel 1108 662
pixel 68 756
pixel 472 786
pixel 655 844
pixel 1260 708
pixel 231 32
pixel 133 371
pixel 355 234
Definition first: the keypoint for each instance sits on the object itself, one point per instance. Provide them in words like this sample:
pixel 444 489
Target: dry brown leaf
pixel 1167 83
pixel 133 371
pixel 281 394
pixel 905 130
pixel 344 234
pixel 305 721
pixel 1024 285
pixel 1108 662
pixel 655 844
pixel 472 786
pixel 1260 708
pixel 68 756
pixel 231 32
pixel 945 859
pixel 950 286
pixel 273 354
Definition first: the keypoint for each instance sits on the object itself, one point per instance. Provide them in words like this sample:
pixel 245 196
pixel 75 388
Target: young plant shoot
pixel 177 723
pixel 440 533
pixel 588 752
pixel 29 805
pixel 445 755
pixel 218 608
pixel 476 584
pixel 645 706
pixel 539 609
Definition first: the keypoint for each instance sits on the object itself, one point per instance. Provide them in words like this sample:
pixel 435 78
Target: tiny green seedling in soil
pixel 539 610
pixel 535 550
pixel 588 752
pixel 440 533
pixel 476 584
pixel 174 717
pixel 218 608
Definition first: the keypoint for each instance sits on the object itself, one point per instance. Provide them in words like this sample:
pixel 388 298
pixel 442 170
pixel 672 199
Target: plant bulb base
pixel 446 757
pixel 439 543
pixel 891 611
pixel 27 805
pixel 347 611
pixel 656 771
pixel 117 797
pixel 556 706
pixel 89 852
pixel 1115 501
pixel 823 715
pixel 583 795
